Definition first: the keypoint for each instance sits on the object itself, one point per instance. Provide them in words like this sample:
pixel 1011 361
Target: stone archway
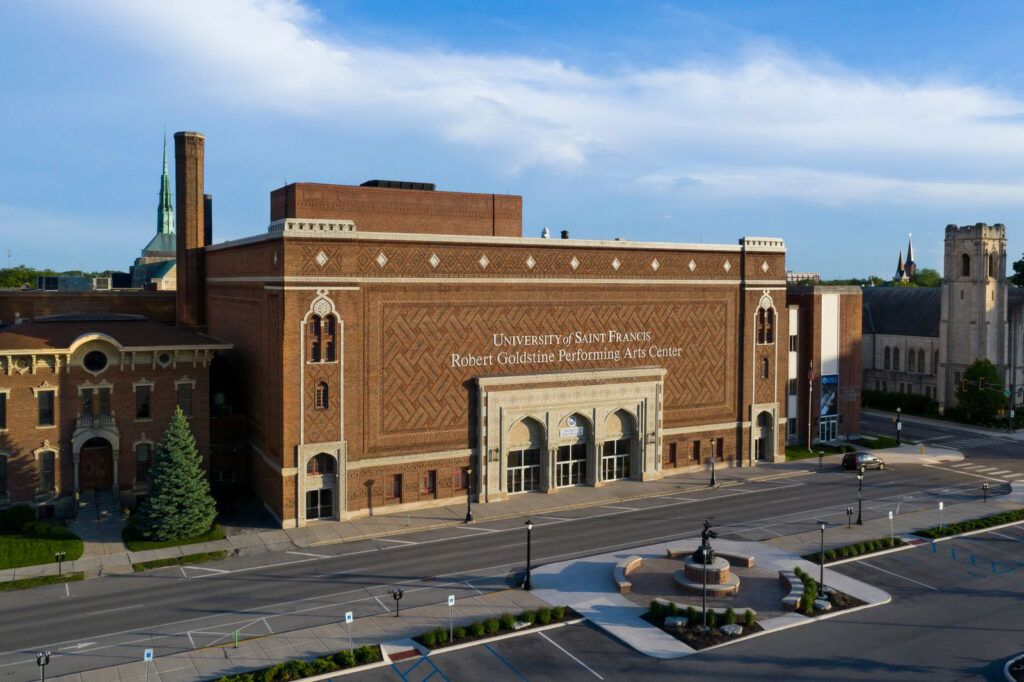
pixel 321 487
pixel 764 443
pixel 573 463
pixel 523 459
pixel 619 446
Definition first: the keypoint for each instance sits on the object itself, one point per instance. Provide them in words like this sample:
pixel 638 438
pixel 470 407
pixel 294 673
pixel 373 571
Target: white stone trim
pixel 701 428
pixel 46 386
pixel 398 460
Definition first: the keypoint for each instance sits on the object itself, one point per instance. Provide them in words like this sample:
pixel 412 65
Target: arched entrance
pixel 96 465
pixel 321 474
pixel 618 447
pixel 574 435
pixel 764 443
pixel 526 440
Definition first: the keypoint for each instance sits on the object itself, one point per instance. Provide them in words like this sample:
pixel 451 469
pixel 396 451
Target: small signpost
pixel 451 617
pixel 348 623
pixel 891 534
pixel 147 656
pixel 940 517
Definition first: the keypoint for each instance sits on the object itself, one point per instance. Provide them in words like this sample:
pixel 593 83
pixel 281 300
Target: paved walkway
pixel 586 585
pixel 1017 434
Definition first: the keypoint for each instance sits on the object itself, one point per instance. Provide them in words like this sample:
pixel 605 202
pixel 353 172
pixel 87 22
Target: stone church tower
pixel 973 324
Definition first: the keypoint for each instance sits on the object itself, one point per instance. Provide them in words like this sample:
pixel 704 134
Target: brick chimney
pixel 188 191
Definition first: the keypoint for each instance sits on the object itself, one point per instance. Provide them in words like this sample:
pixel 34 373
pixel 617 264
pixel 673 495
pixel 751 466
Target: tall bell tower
pixel 973 324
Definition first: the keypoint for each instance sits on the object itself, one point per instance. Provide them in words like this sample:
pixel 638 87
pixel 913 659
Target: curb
pixel 1006 668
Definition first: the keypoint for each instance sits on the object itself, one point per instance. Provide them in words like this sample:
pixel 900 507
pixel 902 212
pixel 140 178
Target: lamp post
pixel 899 427
pixel 42 660
pixel 469 494
pixel 984 489
pixel 59 558
pixel 527 585
pixel 849 517
pixel 821 558
pixel 860 496
pixel 704 594
pixel 714 481
pixel 397 594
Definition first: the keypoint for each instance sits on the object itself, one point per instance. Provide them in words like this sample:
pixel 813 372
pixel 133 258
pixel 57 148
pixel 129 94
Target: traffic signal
pixel 981 384
pixel 963 385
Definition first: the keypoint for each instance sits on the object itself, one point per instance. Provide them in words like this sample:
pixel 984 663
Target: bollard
pixel 236 639
pixel 922 449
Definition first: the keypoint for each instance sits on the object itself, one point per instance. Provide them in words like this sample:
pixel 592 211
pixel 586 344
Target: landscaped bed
pixel 25 583
pixel 973 524
pixel 809 602
pixel 856 549
pixel 27 542
pixel 492 627
pixel 179 560
pixel 693 633
pixel 136 543
pixel 297 670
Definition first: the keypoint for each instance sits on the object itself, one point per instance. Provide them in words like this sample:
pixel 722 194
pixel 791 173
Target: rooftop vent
pixel 400 184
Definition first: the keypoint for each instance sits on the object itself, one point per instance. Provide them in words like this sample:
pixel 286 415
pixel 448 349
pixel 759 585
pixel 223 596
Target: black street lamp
pixel 984 489
pixel 469 494
pixel 42 660
pixel 821 558
pixel 714 481
pixel 527 585
pixel 860 496
pixel 397 594
pixel 59 558
pixel 899 426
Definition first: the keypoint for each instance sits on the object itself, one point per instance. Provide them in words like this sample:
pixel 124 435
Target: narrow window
pixel 719 448
pixel 935 363
pixel 3 410
pixel 695 452
pixel 888 357
pixel 328 337
pixel 3 475
pixel 321 396
pixel 86 402
pixel 965 265
pixel 460 481
pixel 143 460
pixel 764 368
pixel 992 265
pixel 104 401
pixel 46 480
pixel 45 400
pixel 314 338
pixel 185 398
pixel 142 402
pixel 393 487
pixel 911 359
pixel 770 326
pixel 793 343
pixel 428 482
pixel 792 387
pixel 761 324
pixel 896 359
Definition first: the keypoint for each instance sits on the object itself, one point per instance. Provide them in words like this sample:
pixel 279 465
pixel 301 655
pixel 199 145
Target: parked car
pixel 856 460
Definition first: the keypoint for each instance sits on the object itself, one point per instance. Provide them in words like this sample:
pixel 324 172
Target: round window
pixel 164 359
pixel 95 361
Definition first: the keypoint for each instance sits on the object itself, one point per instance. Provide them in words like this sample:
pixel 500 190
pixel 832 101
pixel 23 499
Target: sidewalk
pixel 1017 434
pixel 115 558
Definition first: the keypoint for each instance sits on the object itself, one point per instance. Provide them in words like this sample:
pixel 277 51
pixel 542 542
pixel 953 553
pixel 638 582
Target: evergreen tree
pixel 179 504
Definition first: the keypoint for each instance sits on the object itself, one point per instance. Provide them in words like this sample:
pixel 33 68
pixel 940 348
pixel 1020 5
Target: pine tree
pixel 179 504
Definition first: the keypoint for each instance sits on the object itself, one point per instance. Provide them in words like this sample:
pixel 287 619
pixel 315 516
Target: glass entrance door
pixel 615 460
pixel 828 427
pixel 523 470
pixel 319 503
pixel 571 465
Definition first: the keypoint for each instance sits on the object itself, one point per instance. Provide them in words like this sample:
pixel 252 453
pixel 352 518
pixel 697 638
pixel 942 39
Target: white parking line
pixel 611 506
pixel 382 605
pixel 482 530
pixel 571 656
pixel 401 542
pixel 1003 535
pixel 206 568
pixel 863 563
pixel 965 473
pixel 318 556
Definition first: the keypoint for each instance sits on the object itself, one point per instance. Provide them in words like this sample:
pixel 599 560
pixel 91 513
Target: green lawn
pixel 137 544
pixel 180 560
pixel 875 442
pixel 36 544
pixel 800 451
pixel 25 583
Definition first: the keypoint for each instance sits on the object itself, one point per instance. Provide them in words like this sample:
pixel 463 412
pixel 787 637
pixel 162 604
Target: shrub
pixel 544 615
pixel 656 613
pixel 491 625
pixel 691 615
pixel 844 552
pixel 859 548
pixel 459 633
pixel 712 619
pixel 748 618
pixel 429 638
pixel 344 659
pixel 558 613
pixel 442 635
pixel 508 621
pixel 477 629
pixel 830 555
pixel 367 654
pixel 730 616
pixel 673 609
pixel 528 617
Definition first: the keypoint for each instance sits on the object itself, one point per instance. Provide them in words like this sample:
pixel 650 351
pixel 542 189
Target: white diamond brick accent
pixel 575 262
pixel 692 266
pixel 434 260
pixel 483 261
pixel 530 262
pixel 764 266
pixel 655 265
pixel 382 260
pixel 727 265
pixel 615 264
pixel 321 258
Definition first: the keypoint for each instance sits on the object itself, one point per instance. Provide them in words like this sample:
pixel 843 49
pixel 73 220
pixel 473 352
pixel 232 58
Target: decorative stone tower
pixel 973 324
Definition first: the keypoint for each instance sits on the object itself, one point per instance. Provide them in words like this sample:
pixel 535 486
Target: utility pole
pixel 810 392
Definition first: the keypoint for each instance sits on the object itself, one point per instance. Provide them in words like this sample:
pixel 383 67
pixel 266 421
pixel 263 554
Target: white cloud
pixel 782 125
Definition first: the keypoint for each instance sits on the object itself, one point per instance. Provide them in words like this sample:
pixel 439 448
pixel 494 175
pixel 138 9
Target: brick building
pixel 84 398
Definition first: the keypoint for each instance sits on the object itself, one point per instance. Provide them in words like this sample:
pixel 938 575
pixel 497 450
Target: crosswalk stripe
pixel 962 464
pixel 1001 472
pixel 1011 475
pixel 982 470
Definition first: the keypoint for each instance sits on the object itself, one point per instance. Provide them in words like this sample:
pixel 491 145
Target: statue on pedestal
pixel 704 553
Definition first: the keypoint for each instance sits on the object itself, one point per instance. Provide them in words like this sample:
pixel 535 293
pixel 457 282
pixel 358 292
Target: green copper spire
pixel 165 210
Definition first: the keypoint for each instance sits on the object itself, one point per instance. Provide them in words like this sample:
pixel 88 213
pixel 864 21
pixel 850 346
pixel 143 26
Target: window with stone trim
pixel 322 343
pixel 792 387
pixel 328 338
pixel 314 338
pixel 322 398
pixel 320 464
pixel 393 487
pixel 935 363
pixel 46 407
pixel 765 325
pixel 104 401
pixel 896 359
pixel 47 483
pixel 965 265
pixel 142 394
pixel 460 481
pixel 3 410
pixel 87 402
pixel 185 398
pixel 143 461
pixel 887 358
pixel 428 482
pixel 911 360
pixel 764 368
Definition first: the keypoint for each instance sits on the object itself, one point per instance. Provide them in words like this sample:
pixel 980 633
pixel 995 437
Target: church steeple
pixel 900 271
pixel 165 209
pixel 910 267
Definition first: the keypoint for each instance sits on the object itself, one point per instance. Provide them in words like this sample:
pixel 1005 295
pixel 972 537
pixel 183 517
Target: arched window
pixel 965 265
pixel 328 338
pixel 888 358
pixel 322 398
pixel 765 325
pixel 896 359
pixel 314 338
pixel 320 464
pixel 935 362
pixel 764 368
pixel 991 265
pixel 911 360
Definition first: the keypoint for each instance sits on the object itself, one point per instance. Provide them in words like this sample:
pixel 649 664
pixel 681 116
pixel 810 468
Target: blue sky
pixel 840 127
